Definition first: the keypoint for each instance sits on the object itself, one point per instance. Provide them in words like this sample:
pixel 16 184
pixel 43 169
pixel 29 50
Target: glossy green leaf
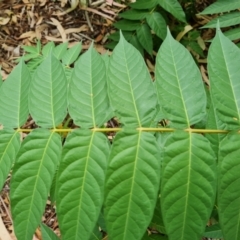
pixel 133 14
pixel 48 93
pixel 71 55
pixel 132 185
pixel 226 20
pixel 31 180
pixel 131 89
pixel 47 233
pixel 127 25
pixel 173 7
pixel 228 191
pixel 9 146
pixel 145 37
pixel 88 102
pixel 143 4
pixel 60 50
pixel 224 75
pixel 80 183
pixel 221 6
pixel 14 97
pixel 179 85
pixel 158 24
pixel 188 185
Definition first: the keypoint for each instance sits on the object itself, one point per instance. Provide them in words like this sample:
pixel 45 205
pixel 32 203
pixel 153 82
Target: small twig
pixel 88 21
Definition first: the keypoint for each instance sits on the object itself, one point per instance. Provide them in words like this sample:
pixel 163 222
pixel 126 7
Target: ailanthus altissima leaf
pixel 188 186
pixel 14 97
pixel 224 73
pixel 132 185
pixel 31 180
pixel 9 146
pixel 229 181
pixel 88 99
pixel 131 90
pixel 179 85
pixel 48 93
pixel 80 183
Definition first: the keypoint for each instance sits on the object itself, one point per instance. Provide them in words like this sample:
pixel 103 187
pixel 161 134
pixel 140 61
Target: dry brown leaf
pixel 60 29
pixel 30 34
pixel 77 30
pixel 4 21
pixel 4 235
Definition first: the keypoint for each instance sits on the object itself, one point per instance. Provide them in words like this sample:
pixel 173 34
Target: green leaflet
pixel 158 24
pixel 133 14
pixel 9 146
pixel 226 20
pixel 14 97
pixel 80 183
pixel 179 85
pixel 145 38
pixel 88 102
pixel 48 93
pixel 229 181
pixel 224 75
pixel 132 185
pixel 143 4
pixel 60 50
pixel 48 48
pixel 71 55
pixel 126 25
pixel 31 180
pixel 131 90
pixel 174 7
pixel 221 6
pixel 188 185
pixel 47 233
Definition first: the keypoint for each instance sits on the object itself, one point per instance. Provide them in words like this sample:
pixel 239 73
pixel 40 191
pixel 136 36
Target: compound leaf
pixel 131 90
pixel 88 99
pixel 179 85
pixel 14 97
pixel 132 185
pixel 224 75
pixel 31 180
pixel 48 93
pixel 188 185
pixel 127 25
pixel 9 146
pixel 80 183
